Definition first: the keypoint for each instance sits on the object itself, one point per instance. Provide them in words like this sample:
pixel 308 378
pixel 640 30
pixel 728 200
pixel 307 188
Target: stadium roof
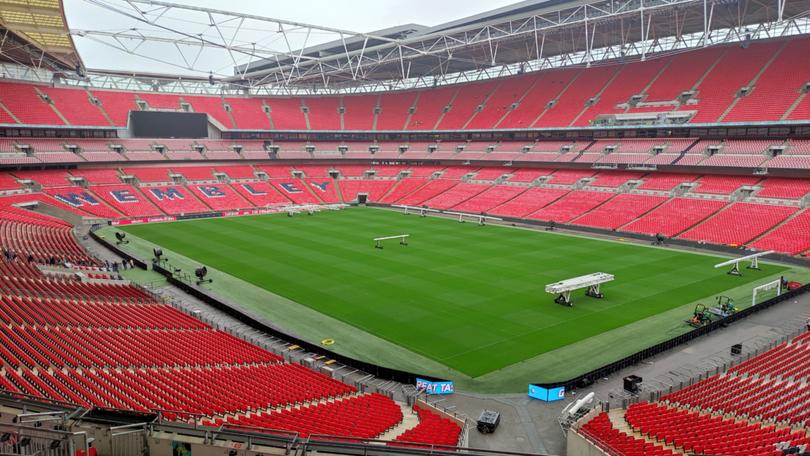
pixel 35 33
pixel 266 54
pixel 576 32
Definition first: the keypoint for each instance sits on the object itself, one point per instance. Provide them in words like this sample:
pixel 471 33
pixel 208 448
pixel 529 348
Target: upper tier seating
pixel 500 102
pixel 777 88
pixel 549 98
pixel 117 105
pixel 248 114
pixel 463 107
pixel 287 113
pixel 25 102
pixel 429 108
pixel 213 106
pixel 532 108
pixel 359 112
pixel 735 69
pixel 76 107
pixel 571 101
pixel 323 113
pixel 394 110
pixel 629 81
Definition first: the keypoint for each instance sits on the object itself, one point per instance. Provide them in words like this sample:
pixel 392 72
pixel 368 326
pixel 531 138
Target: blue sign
pixel 430 387
pixel 547 394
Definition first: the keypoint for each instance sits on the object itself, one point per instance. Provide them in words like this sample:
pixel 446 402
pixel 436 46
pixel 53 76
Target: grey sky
pixel 355 15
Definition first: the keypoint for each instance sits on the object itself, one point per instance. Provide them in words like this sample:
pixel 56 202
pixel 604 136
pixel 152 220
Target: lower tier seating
pixel 675 216
pixel 571 206
pixel 528 202
pixel 375 189
pixel 704 433
pixel 601 432
pixel 431 430
pixel 619 211
pixel 739 223
pixel 791 237
pixel 363 417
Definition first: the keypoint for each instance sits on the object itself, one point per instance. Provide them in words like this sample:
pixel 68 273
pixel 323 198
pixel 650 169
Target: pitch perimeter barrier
pixel 386 373
pixel 233 310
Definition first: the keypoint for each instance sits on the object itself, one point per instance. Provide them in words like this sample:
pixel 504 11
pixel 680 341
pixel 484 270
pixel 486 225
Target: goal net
pixel 766 291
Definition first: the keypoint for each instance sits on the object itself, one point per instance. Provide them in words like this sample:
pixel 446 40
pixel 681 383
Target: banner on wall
pixel 137 221
pixel 547 394
pixel 431 387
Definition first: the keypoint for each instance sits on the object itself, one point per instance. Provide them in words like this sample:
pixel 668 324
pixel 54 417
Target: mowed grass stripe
pixel 467 296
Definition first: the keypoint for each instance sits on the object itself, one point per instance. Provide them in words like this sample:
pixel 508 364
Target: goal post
pixel 766 291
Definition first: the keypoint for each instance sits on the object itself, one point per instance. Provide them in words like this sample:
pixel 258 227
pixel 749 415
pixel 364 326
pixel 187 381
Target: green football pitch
pixel 467 297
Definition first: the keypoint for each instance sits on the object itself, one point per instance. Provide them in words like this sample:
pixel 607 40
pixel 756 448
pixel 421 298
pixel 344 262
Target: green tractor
pixel 725 307
pixel 701 317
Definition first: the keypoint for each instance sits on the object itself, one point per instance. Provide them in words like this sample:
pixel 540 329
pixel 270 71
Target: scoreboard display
pixel 163 124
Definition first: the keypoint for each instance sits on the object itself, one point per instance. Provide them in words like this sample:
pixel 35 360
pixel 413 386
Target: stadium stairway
pixel 409 421
pixel 338 191
pixel 619 423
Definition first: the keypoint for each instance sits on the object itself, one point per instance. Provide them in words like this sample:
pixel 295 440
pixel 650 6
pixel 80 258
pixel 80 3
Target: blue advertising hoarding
pixel 547 394
pixel 431 387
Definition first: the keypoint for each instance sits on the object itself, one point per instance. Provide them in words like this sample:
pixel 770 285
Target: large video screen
pixel 159 124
